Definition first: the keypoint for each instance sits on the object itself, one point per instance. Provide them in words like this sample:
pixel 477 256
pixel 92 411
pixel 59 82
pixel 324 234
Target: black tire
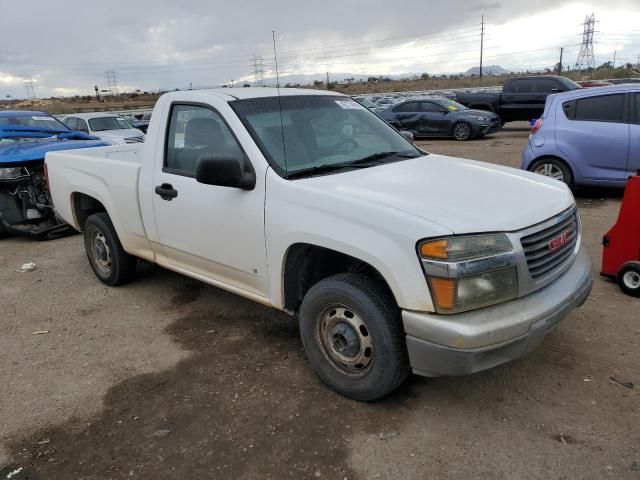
pixel 555 168
pixel 111 264
pixel 3 232
pixel 462 131
pixel 375 308
pixel 629 278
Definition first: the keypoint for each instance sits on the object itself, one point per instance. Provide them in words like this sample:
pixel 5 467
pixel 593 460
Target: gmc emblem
pixel 560 241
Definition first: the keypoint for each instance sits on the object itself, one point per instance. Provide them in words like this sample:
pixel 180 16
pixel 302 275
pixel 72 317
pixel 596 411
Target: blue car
pixel 587 137
pixel 25 203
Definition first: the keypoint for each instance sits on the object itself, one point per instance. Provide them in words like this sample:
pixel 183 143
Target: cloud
pixel 481 7
pixel 154 44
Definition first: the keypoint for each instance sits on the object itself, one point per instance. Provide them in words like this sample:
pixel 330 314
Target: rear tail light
pixel 536 126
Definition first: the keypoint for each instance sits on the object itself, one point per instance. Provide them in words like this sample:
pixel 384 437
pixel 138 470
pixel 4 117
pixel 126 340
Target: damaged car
pixel 25 204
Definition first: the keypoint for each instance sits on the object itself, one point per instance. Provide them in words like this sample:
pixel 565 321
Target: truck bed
pixel 109 175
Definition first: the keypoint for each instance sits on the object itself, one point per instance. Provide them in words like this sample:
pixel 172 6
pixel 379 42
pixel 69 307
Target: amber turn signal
pixel 444 292
pixel 435 249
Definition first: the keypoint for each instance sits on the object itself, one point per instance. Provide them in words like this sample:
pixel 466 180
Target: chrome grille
pixel 542 259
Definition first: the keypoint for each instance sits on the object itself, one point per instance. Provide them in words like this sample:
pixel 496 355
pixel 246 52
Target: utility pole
pixel 614 59
pixel 585 57
pixel 327 80
pixel 481 46
pixel 31 91
pixel 112 83
pixel 258 70
pixel 560 62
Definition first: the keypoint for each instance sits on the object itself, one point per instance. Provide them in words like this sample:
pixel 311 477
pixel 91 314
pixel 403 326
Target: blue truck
pixel 25 204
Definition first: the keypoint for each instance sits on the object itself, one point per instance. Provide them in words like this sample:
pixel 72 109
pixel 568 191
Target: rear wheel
pixel 462 131
pixel 629 278
pixel 553 168
pixel 350 329
pixel 111 264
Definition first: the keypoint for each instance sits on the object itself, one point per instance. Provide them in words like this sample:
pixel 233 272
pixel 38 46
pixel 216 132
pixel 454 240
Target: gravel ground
pixel 171 378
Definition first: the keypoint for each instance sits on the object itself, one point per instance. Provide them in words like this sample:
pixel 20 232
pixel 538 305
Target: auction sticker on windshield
pixel 349 105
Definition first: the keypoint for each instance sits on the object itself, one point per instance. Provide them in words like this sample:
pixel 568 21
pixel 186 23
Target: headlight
pixel 454 295
pixel 9 173
pixel 480 118
pixel 469 272
pixel 455 249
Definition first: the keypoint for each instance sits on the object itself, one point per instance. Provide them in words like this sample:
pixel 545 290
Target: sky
pixel 66 47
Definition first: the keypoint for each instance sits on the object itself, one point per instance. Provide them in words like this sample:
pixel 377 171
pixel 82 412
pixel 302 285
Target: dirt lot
pixel 170 378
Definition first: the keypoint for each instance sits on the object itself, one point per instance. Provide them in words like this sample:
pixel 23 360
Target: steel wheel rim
pixel 550 170
pixel 461 131
pixel 345 340
pixel 100 252
pixel 631 279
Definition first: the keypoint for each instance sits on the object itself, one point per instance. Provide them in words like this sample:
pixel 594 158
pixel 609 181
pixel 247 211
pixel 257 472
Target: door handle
pixel 166 191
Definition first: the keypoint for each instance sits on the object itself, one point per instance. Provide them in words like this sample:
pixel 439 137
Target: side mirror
pixel 224 172
pixel 407 135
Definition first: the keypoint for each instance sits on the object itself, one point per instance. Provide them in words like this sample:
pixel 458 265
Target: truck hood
pixel 464 196
pixel 17 153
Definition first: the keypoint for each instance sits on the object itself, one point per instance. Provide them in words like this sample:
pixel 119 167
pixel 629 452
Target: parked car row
pixel 107 126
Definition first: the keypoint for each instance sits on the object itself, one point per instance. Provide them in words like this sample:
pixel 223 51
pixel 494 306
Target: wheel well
pixel 84 206
pixel 552 157
pixel 306 265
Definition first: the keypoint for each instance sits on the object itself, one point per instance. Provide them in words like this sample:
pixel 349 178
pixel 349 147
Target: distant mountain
pixel 486 70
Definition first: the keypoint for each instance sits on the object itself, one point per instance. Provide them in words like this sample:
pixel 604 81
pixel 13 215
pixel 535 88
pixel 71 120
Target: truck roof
pixel 255 92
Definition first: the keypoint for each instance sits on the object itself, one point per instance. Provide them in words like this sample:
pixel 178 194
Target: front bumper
pixel 472 341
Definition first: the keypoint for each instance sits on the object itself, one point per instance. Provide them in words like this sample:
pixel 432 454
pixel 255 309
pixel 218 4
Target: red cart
pixel 621 252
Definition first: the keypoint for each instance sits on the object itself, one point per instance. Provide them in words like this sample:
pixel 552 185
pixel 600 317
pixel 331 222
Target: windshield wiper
pixel 319 170
pixel 366 162
pixel 380 156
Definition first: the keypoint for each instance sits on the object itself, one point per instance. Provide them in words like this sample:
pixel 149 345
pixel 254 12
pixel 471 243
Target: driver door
pixel 207 230
pixel 436 120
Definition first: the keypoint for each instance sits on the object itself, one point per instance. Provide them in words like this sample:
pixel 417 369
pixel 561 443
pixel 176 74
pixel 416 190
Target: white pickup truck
pixel 392 259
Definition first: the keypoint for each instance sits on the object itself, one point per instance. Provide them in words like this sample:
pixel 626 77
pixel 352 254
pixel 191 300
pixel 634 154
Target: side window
pixel 637 120
pixel 603 108
pixel 431 107
pixel 407 107
pixel 72 123
pixel 195 131
pixel 523 85
pixel 549 85
pixel 82 125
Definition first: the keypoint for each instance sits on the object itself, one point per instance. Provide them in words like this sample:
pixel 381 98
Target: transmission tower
pixel 31 91
pixel 585 57
pixel 258 70
pixel 112 83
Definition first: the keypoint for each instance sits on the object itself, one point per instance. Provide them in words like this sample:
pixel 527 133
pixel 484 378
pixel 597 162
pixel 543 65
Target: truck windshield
pixel 311 135
pixel 108 123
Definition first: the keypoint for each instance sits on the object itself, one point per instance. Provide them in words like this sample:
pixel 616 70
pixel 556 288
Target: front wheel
pixel 351 331
pixel 629 278
pixel 111 264
pixel 462 131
